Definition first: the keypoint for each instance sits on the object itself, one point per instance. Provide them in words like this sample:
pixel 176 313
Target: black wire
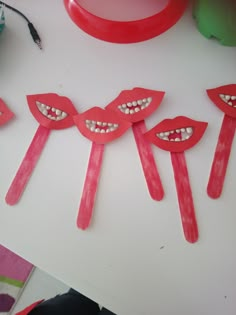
pixel 15 10
pixel 31 27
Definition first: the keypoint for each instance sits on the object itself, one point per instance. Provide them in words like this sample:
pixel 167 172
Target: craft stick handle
pixel 28 164
pixel 147 160
pixel 90 186
pixel 184 196
pixel 221 157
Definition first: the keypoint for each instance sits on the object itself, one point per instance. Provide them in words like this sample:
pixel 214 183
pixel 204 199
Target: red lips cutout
pixel 101 125
pixel 187 132
pixel 136 104
pixel 51 110
pixel 224 97
pixel 5 113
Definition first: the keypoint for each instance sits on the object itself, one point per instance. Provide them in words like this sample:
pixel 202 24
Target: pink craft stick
pixel 221 157
pixel 184 196
pixel 28 164
pixel 148 163
pixel 90 186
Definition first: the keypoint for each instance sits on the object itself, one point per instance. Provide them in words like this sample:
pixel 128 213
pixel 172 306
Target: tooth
pixel 123 105
pixel 233 98
pixel 131 111
pixel 144 100
pixel 99 123
pixel 107 130
pixel 48 107
pixel 103 131
pixel 172 140
pixel 143 106
pixel 111 129
pixel 129 104
pixel 189 130
pixel 139 102
pixel 222 96
pixel 134 103
pixel 38 103
pixel 92 128
pixel 162 134
pixel 149 99
pixel 104 124
pixel 49 116
pixel 127 111
pixel 165 138
pixel 167 133
pixel 115 125
pixel 177 139
pixel 182 129
pixel 88 121
pixel 53 109
pixel 109 124
pixel 187 137
pixel 63 114
pixel 97 130
pixel 58 112
pixel 178 130
pixel 45 112
pixel 136 109
pixel 230 103
pixel 227 97
pixel 172 131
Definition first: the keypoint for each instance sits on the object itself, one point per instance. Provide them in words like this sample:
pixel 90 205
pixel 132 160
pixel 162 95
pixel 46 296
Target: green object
pixel 216 19
pixel 2 19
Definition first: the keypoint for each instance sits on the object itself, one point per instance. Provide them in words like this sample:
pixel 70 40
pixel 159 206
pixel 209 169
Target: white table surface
pixel 119 261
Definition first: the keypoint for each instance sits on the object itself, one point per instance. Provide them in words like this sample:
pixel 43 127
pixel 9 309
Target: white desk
pixel 120 261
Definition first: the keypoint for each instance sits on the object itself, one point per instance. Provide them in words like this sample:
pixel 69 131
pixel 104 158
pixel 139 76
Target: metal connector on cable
pixel 31 27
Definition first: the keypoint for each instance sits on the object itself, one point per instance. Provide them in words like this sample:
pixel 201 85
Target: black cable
pixel 31 27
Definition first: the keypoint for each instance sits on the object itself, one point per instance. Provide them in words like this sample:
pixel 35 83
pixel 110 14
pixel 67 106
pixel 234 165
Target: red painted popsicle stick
pixel 184 196
pixel 28 164
pixel 90 186
pixel 148 163
pixel 221 157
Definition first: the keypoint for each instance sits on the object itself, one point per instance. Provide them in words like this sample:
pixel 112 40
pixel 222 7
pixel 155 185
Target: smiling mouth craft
pixel 134 106
pixel 177 135
pixel 52 112
pixel 100 126
pixel 224 97
pixel 5 113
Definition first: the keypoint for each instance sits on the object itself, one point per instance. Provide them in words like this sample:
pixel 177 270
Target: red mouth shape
pixel 176 135
pixel 5 113
pixel 101 125
pixel 136 104
pixel 51 110
pixel 224 97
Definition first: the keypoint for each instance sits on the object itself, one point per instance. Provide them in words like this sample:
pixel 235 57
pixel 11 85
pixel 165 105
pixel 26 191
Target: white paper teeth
pixel 100 127
pixel 133 107
pixel 228 99
pixel 44 109
pixel 185 133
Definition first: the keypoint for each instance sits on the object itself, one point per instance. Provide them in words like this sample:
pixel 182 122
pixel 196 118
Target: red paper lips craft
pixel 224 97
pixel 52 112
pixel 5 113
pixel 100 126
pixel 134 106
pixel 177 135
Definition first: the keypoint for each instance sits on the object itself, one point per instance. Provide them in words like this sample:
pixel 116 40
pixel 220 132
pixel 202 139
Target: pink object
pixel 177 135
pixel 5 113
pixel 221 157
pixel 100 126
pixel 27 166
pixel 12 266
pixel 90 186
pixel 148 163
pixel 134 106
pixel 224 97
pixel 52 112
pixel 185 197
